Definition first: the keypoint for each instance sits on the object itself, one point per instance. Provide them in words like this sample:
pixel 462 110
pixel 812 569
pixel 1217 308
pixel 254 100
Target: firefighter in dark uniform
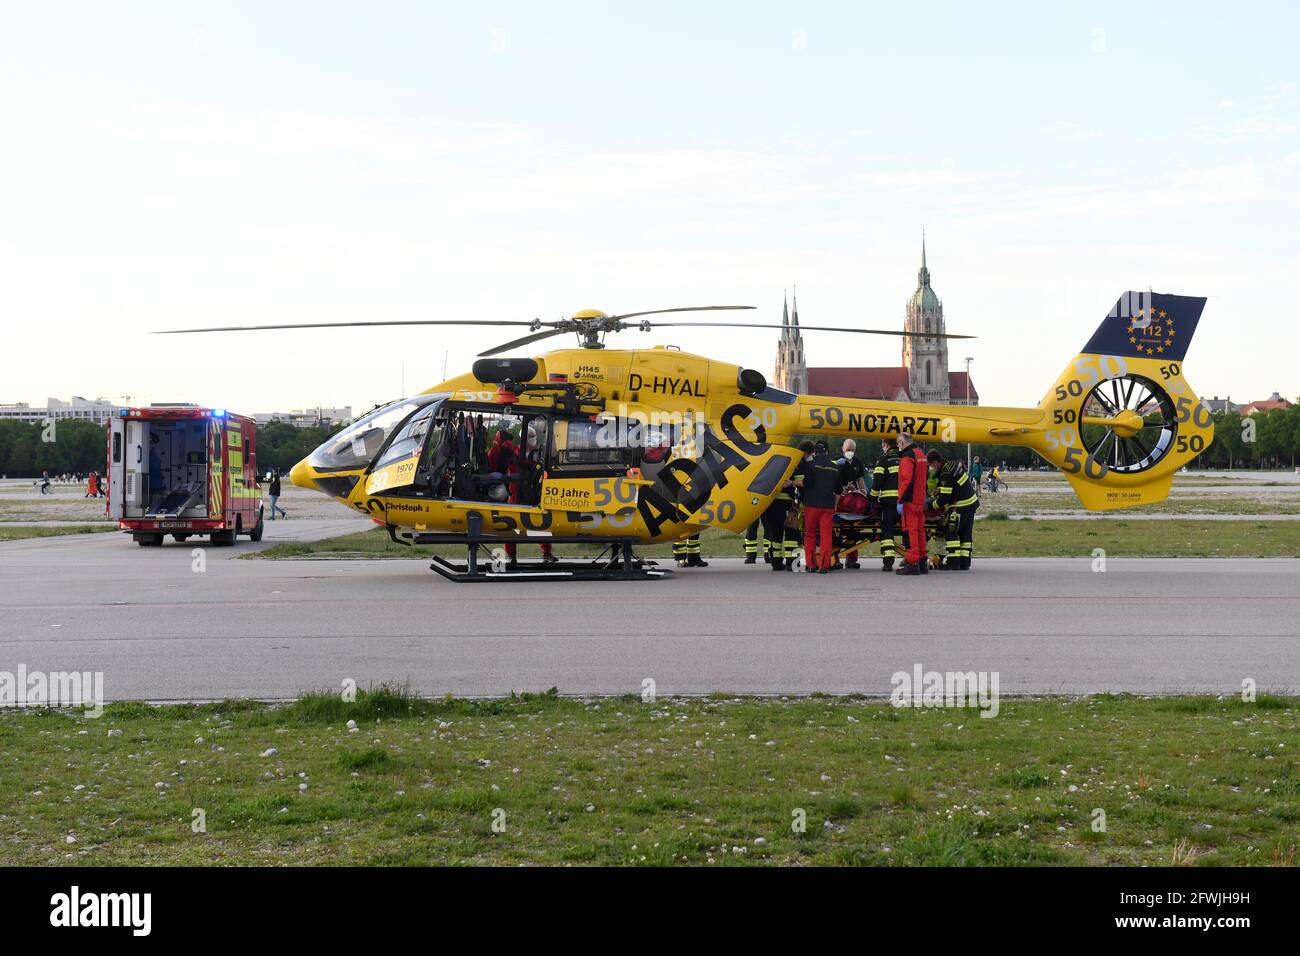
pixel 687 553
pixel 884 495
pixel 782 542
pixel 752 545
pixel 957 498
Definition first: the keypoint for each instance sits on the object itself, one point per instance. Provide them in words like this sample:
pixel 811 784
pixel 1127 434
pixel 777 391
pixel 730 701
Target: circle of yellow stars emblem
pixel 1156 335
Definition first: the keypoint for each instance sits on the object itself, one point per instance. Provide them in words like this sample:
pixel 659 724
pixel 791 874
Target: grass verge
pixel 21 532
pixel 710 781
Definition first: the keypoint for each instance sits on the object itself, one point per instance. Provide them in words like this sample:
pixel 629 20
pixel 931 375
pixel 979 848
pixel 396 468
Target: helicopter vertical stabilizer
pixel 1122 419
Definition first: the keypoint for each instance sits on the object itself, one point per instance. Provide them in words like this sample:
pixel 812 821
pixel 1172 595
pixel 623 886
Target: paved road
pixel 160 631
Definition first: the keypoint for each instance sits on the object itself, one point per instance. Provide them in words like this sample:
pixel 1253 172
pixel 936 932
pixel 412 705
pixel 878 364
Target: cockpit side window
pixel 409 438
pixel 356 446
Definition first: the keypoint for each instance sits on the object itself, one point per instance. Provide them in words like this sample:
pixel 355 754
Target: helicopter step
pixel 486 559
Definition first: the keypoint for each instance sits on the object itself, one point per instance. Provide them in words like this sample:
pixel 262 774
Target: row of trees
pixel 1264 440
pixel 69 446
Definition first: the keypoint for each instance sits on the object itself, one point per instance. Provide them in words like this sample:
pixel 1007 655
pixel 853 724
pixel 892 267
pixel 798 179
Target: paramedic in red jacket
pixel 913 470
pixel 506 457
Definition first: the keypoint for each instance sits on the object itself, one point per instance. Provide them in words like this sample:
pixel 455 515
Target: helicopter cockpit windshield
pixel 356 446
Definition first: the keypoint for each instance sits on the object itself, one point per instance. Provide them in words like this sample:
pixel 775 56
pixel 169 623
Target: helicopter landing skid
pixel 603 568
pixel 486 559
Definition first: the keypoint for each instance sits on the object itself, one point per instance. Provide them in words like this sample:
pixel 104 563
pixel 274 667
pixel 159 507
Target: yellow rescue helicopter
pixel 636 446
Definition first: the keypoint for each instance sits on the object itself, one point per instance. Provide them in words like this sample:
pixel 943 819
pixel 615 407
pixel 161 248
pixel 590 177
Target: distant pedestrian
pixel 274 492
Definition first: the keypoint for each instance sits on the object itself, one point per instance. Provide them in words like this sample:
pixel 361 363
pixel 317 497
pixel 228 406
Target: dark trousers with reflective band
pixel 751 540
pixel 782 542
pixel 686 547
pixel 891 540
pixel 959 530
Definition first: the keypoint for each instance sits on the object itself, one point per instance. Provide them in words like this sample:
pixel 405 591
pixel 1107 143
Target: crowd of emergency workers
pixel 826 496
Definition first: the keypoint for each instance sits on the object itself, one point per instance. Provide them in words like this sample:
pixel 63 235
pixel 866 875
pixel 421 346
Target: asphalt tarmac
pixel 159 629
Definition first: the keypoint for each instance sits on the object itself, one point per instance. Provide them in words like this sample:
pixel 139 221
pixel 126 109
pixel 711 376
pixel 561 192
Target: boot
pixel 852 565
pixel 948 564
pixel 906 569
pixel 965 562
pixel 751 559
pixel 778 564
pixel 923 567
pixel 695 561
pixel 887 564
pixel 549 558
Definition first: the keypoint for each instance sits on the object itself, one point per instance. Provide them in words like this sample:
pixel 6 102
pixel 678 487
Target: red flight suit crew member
pixel 913 470
pixel 818 484
pixel 504 456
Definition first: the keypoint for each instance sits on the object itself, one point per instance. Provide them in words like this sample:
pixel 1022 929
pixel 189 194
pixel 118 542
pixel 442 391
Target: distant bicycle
pixel 996 484
pixel 44 485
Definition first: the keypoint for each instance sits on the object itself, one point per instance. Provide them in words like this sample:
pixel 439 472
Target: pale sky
pixel 168 165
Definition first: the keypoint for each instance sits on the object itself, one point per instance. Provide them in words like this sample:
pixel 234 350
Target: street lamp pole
pixel 969 359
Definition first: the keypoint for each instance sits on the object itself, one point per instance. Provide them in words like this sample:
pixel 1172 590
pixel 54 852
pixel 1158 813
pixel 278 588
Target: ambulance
pixel 184 471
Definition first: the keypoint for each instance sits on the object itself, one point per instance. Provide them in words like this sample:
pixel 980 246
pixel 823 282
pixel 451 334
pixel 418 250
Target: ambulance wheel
pixel 182 538
pixel 149 540
pixel 223 538
pixel 256 533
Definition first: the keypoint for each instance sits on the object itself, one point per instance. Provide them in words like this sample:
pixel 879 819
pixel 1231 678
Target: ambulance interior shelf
pixel 174 470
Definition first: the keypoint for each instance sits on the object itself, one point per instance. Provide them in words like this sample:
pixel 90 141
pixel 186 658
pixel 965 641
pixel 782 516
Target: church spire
pixel 923 277
pixel 785 317
pixel 794 318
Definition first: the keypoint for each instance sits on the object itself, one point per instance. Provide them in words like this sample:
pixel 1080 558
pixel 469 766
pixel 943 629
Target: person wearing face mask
pixel 817 485
pixel 852 477
pixel 913 470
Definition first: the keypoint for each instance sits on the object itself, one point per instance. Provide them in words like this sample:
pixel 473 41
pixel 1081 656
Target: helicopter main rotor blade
pixel 342 325
pixel 806 328
pixel 527 339
pixel 689 308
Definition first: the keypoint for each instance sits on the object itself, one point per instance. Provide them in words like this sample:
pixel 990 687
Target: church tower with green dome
pixel 924 357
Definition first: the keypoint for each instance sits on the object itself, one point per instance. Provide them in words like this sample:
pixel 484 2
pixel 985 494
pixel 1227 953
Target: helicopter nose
pixel 300 475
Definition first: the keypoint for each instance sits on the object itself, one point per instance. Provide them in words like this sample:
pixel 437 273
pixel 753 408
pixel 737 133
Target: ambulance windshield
pixel 357 445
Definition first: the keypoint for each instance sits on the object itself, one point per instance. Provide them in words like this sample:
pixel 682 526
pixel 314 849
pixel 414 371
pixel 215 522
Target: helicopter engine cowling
pixel 494 371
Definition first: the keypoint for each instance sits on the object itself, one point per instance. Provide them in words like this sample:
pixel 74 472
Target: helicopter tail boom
pixel 1119 422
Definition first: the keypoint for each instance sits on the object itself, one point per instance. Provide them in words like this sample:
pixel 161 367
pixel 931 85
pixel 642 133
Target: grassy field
pixel 20 532
pixel 680 781
pixel 1188 504
pixel 1067 537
